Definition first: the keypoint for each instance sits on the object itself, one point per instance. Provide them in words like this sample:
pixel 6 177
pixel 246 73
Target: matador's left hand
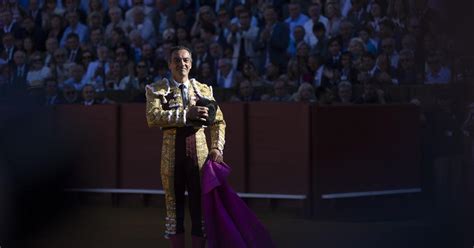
pixel 216 155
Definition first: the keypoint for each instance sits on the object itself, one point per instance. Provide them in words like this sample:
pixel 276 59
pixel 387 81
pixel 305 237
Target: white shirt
pixel 300 20
pixel 308 27
pixel 36 78
pixel 227 81
pixel 442 77
pixel 318 76
pixel 185 89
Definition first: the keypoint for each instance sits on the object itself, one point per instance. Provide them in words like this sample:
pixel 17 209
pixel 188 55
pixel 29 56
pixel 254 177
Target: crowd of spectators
pixel 260 50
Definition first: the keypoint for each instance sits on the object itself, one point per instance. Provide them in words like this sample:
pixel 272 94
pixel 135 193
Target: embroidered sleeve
pixel 158 117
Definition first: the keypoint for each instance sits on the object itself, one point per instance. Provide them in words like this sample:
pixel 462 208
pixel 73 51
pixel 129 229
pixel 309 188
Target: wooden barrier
pixel 279 147
pixel 140 150
pixel 273 148
pixel 235 148
pixel 95 132
pixel 365 148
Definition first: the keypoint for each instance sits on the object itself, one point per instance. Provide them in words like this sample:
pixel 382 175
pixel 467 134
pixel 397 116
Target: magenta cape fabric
pixel 228 221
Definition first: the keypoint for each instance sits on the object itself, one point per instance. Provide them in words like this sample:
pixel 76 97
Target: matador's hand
pixel 216 155
pixel 197 113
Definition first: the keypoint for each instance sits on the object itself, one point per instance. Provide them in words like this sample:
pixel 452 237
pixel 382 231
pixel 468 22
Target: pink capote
pixel 229 222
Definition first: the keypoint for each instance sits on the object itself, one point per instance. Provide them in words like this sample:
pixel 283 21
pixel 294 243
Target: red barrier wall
pixel 95 131
pixel 271 147
pixel 140 150
pixel 365 148
pixel 234 151
pixel 279 148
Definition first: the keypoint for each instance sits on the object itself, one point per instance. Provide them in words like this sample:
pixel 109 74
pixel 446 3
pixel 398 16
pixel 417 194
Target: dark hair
pixel 72 35
pixel 319 27
pixel 368 55
pixel 335 39
pixel 177 48
pixel 320 91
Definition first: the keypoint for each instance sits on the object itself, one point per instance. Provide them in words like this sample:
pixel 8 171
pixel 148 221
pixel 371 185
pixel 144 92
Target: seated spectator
pixel 138 80
pixel 371 94
pixel 347 70
pixel 314 12
pixel 96 39
pixel 344 93
pixel 136 43
pixel 406 72
pixel 86 58
pixel 250 72
pixel 295 18
pixel 357 49
pixel 59 66
pixel 296 37
pixel 305 93
pixel 74 27
pixel 161 71
pixel 51 45
pixel 370 43
pixel 95 20
pixel 324 95
pixel 346 31
pixel 226 76
pixel 245 93
pixel 142 24
pixel 333 13
pixel 436 73
pixel 20 71
pixel 388 47
pixel 70 94
pixel 28 46
pixel 296 73
pixel 77 79
pixel 321 46
pixel 384 72
pixel 182 37
pixel 148 53
pixel 205 75
pixel 114 77
pixel 216 52
pixel 89 96
pixel 118 38
pixel 38 72
pixel 146 10
pixel 73 48
pixel 317 70
pixel 97 70
pixel 8 47
pixel 367 64
pixel 116 21
pixel 334 52
pixel 10 25
pixel 162 16
pixel 272 72
pixel 280 92
pixel 51 93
